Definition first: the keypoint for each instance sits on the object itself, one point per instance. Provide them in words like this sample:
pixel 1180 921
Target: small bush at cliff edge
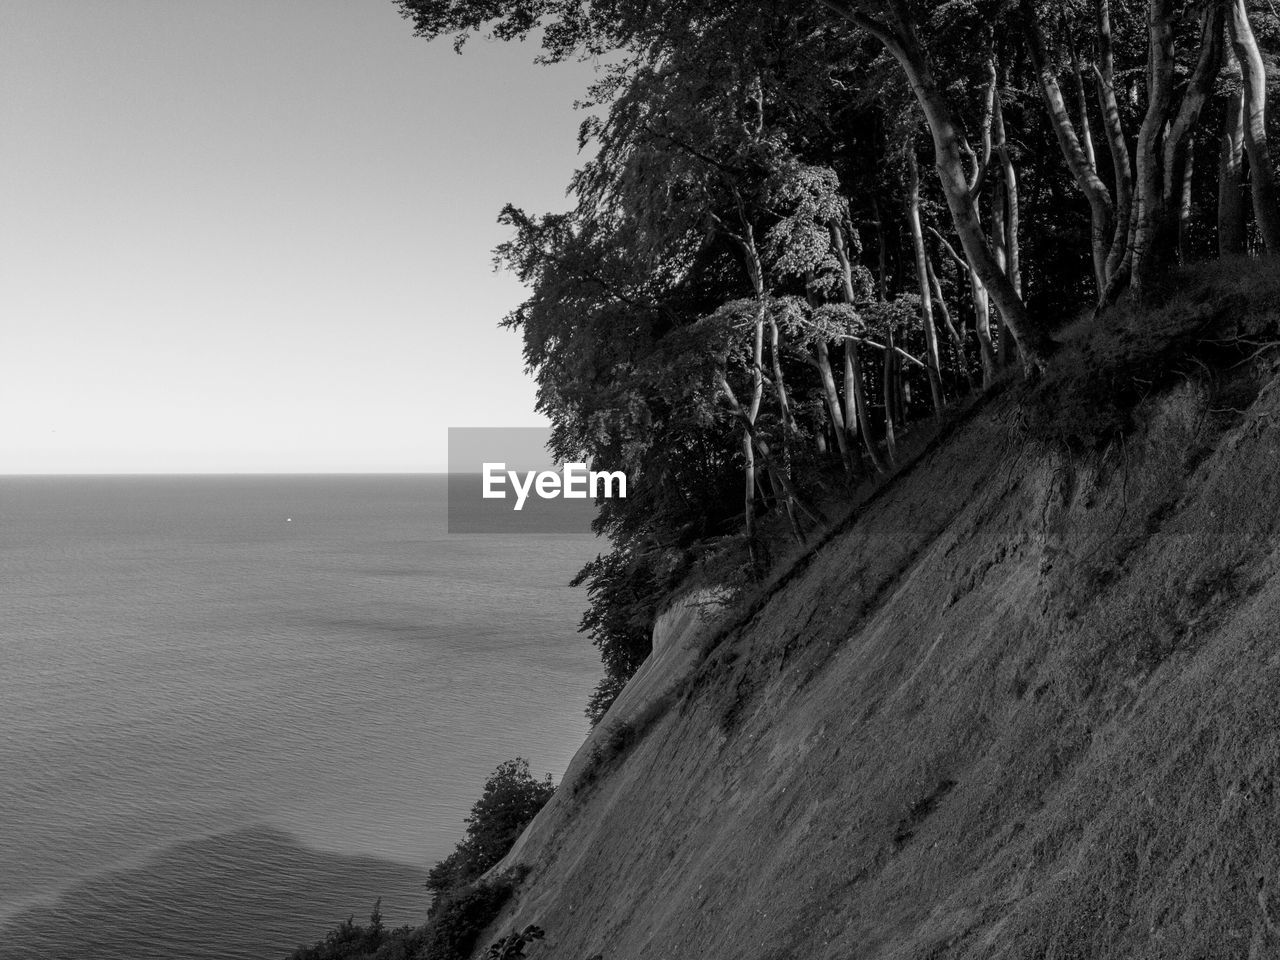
pixel 458 919
pixel 512 798
pixel 463 905
pixel 352 941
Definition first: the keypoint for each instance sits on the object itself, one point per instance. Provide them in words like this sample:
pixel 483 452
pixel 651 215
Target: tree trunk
pixel 1253 75
pixel 755 443
pixel 853 385
pixel 1012 226
pixel 904 45
pixel 1231 205
pixel 890 389
pixel 749 497
pixel 756 272
pixel 822 360
pixel 887 379
pixel 1179 141
pixel 1116 142
pixel 1162 141
pixel 998 246
pixel 779 384
pixel 1151 232
pixel 852 422
pixel 1032 338
pixel 922 276
pixel 1082 169
pixel 788 422
pixel 957 342
pixel 1082 108
pixel 782 475
pixel 857 418
pixel 982 324
pixel 1184 208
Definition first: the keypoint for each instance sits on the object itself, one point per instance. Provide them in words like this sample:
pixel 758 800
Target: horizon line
pixel 226 473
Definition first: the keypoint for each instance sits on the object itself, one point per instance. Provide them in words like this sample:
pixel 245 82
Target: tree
pixel 755 296
pixel 512 798
pixel 894 24
pixel 1253 78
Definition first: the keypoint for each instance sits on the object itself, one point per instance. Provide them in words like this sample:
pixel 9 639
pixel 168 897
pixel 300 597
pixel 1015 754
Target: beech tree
pixel 895 23
pixel 1253 79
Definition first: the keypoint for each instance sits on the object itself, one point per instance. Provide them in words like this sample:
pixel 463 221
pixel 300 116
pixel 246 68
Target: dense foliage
pixel 512 797
pixel 804 230
pixel 463 901
pixel 460 916
pixel 353 941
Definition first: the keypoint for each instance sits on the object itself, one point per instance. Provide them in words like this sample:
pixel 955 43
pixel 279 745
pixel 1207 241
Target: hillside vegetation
pixel 802 233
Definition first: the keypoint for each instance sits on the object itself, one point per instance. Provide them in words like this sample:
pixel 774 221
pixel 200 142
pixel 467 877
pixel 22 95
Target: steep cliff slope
pixel 1026 703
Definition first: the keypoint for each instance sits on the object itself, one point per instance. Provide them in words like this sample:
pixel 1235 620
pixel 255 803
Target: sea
pixel 236 710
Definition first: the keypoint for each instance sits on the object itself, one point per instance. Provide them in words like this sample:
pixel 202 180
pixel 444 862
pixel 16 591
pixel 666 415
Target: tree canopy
pixel 760 290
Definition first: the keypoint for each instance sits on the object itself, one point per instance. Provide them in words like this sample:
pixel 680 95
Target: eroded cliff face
pixel 1024 704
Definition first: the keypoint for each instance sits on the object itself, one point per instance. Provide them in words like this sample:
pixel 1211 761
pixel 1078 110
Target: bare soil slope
pixel 1026 704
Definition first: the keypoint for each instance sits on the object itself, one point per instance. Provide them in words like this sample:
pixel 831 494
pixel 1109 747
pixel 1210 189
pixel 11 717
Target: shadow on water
pixel 253 894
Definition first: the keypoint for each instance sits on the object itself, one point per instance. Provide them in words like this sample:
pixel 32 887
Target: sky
pixel 256 235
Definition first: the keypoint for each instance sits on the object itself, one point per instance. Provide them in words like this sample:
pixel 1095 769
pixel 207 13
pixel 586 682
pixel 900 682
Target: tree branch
pixel 863 341
pixel 964 264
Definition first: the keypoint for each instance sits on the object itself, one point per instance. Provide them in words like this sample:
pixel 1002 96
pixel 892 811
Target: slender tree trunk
pixel 749 496
pixel 857 416
pixel 1012 200
pixel 788 422
pixel 1231 203
pixel 1150 227
pixel 981 298
pixel 1253 74
pixel 926 291
pixel 853 386
pixel 1184 209
pixel 1012 227
pixel 780 384
pixel 826 375
pixel 886 375
pixel 1116 142
pixel 856 419
pixel 982 324
pixel 957 341
pixel 1073 150
pixel 1179 142
pixel 904 45
pixel 1162 141
pixel 981 314
pixel 756 272
pixel 1000 248
pixel 889 386
pixel 822 360
pixel 1082 108
pixel 852 423
pixel 782 473
pixel 759 445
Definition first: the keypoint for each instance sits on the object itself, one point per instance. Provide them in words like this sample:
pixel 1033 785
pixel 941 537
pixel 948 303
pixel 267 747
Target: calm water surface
pixel 234 710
